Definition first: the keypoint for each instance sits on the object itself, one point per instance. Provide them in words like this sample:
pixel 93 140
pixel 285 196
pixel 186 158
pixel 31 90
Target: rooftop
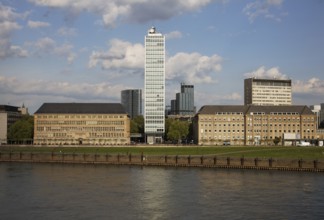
pixel 81 108
pixel 212 109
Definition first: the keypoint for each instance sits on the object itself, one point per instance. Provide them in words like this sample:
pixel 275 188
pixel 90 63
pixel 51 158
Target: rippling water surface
pixel 62 191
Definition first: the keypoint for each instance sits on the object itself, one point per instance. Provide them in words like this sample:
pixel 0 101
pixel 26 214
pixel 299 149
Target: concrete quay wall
pixel 163 160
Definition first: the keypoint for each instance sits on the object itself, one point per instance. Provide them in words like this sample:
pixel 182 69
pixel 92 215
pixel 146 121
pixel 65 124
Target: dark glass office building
pixel 131 99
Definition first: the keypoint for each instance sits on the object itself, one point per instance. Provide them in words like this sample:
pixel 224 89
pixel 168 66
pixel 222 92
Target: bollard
pixel 242 161
pixel 130 157
pixel 300 163
pixel 107 156
pixel 142 157
pixel 189 159
pixel 52 155
pixel 228 161
pixel 315 164
pixel 270 162
pixel 176 159
pixel 202 160
pixel 215 160
pixel 256 162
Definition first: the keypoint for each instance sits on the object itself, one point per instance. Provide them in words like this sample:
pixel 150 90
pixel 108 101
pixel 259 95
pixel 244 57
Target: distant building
pixel 154 84
pixel 81 124
pixel 317 110
pixel 8 116
pixel 184 102
pixel 267 92
pixel 131 99
pixel 252 125
pixel 174 107
pixel 321 116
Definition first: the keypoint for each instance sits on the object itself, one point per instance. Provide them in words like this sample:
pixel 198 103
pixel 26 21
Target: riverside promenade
pixel 204 161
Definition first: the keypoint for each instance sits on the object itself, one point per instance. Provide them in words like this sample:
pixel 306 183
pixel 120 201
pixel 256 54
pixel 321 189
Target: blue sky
pixel 88 51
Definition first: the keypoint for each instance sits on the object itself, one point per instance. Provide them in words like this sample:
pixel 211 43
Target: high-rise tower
pixel 154 86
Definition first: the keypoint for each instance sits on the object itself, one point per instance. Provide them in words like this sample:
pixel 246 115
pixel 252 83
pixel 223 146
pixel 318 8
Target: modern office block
pixel 184 102
pixel 267 92
pixel 154 85
pixel 131 99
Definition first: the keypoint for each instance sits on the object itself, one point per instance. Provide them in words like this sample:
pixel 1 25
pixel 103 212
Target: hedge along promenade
pixel 238 157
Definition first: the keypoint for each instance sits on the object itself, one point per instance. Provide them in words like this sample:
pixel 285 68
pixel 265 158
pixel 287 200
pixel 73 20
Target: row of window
pixel 41 122
pixel 255 131
pixel 257 125
pixel 106 135
pixel 78 129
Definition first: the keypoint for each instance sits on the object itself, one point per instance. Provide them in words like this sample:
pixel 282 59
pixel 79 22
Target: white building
pixel 154 86
pixel 267 92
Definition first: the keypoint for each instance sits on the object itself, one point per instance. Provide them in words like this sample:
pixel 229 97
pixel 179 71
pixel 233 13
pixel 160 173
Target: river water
pixel 63 191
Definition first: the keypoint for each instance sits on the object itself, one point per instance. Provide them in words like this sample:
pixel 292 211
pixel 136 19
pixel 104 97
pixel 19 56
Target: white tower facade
pixel 154 87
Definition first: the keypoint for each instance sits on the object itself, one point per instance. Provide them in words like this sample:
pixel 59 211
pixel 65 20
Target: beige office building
pixel 267 92
pixel 252 125
pixel 81 124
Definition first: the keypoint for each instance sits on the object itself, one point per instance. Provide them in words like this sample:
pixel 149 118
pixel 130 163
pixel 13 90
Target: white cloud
pixel 35 92
pixel 313 86
pixel 47 45
pixel 262 72
pixel 140 11
pixel 86 91
pixel 37 24
pixel 263 8
pixel 67 32
pixel 193 67
pixel 8 25
pixel 121 54
pixel 173 35
pixel 182 67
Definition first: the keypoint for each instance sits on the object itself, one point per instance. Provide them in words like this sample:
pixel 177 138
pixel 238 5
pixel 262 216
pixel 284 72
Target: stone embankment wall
pixel 178 161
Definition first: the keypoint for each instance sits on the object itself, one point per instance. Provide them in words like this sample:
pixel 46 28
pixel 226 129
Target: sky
pixel 88 51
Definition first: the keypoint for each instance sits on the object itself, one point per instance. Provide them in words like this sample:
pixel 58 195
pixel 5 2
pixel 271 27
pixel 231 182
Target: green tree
pixel 22 129
pixel 137 124
pixel 177 130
